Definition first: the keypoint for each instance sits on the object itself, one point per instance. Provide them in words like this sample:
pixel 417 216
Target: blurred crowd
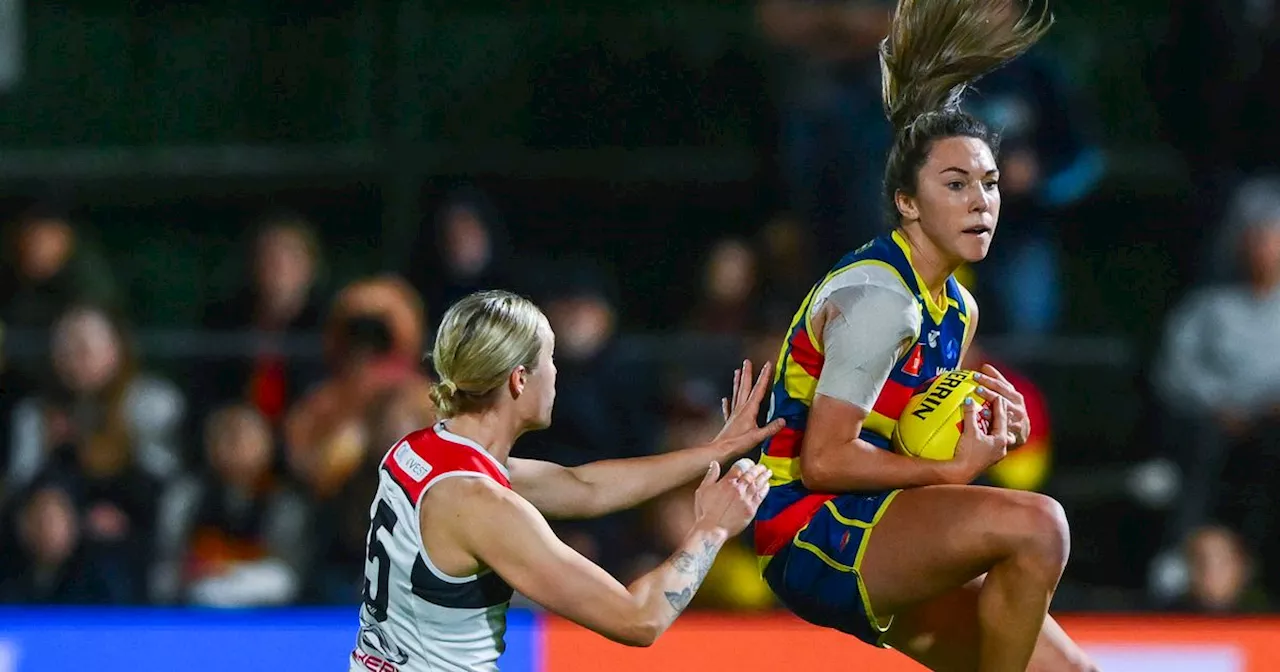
pixel 245 477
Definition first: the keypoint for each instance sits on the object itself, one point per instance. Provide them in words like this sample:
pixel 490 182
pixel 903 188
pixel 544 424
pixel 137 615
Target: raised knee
pixel 1040 530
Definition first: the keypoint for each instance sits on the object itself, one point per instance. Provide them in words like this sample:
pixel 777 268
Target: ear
pixel 517 380
pixel 906 205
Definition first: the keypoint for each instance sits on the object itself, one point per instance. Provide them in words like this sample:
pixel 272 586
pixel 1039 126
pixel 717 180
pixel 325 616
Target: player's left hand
pixel 740 432
pixel 994 384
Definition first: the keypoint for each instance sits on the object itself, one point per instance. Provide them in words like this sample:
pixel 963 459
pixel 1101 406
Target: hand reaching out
pixel 741 433
pixel 729 504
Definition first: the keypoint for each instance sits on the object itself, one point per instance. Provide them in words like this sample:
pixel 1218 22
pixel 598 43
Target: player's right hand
pixel 729 504
pixel 740 432
pixel 980 447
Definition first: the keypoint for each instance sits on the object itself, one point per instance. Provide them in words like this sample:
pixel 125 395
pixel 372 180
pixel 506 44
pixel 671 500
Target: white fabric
pixel 872 320
pixel 418 635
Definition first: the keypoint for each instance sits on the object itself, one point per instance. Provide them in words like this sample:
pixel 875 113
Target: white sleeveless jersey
pixel 416 618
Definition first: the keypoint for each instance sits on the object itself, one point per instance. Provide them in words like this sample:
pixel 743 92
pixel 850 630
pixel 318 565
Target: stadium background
pixel 639 168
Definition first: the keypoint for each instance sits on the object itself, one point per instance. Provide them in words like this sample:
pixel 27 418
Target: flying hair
pixel 937 48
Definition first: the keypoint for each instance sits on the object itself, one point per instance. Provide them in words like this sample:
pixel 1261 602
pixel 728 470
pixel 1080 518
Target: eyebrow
pixel 962 171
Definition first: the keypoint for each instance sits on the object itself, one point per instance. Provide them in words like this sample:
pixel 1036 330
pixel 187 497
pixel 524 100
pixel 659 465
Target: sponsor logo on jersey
pixel 374 663
pixel 412 464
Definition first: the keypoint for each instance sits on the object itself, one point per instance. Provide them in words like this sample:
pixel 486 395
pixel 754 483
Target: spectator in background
pixel 1219 377
pixel 45 267
pixel 606 406
pixel 233 536
pixel 1047 162
pixel 467 250
pixel 105 436
pixel 45 559
pixel 342 523
pixel 786 269
pixel 730 297
pixel 103 413
pixel 279 298
pixel 1222 574
pixel 834 133
pixel 48 267
pixel 373 343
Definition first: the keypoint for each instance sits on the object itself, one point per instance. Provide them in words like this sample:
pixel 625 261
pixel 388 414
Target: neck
pixel 930 263
pixel 495 430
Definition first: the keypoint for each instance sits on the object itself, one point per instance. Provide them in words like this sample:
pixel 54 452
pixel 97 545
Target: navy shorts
pixel 817 576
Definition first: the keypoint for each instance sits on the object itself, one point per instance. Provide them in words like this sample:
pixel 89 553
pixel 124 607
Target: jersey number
pixel 375 597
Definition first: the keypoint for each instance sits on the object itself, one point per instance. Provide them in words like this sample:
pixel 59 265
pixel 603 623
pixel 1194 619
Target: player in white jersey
pixel 457 525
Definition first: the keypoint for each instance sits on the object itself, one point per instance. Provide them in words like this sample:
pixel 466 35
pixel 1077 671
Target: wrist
pixel 709 532
pixel 954 472
pixel 720 450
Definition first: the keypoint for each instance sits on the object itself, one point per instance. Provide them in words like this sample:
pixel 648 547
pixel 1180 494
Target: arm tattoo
pixel 695 568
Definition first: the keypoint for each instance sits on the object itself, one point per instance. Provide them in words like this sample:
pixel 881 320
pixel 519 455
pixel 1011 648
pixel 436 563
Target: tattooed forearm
pixel 695 568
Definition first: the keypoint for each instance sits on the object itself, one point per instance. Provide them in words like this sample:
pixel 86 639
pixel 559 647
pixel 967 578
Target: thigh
pixel 935 539
pixel 942 635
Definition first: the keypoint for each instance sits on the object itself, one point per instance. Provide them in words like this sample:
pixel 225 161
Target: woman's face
pixel 957 199
pixel 731 272
pixel 86 351
pixel 467 244
pixel 283 266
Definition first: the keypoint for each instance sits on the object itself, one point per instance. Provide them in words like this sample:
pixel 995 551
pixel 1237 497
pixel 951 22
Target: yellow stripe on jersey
pixel 880 424
pixel 783 470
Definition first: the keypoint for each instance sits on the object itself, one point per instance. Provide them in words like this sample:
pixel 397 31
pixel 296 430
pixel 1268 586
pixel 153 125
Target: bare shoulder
pixel 469 493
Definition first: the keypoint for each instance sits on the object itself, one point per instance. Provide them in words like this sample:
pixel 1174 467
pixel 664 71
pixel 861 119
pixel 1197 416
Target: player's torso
pixel 936 349
pixel 416 618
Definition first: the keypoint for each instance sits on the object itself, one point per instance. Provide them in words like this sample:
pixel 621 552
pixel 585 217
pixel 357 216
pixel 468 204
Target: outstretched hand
pixel 740 432
pixel 730 503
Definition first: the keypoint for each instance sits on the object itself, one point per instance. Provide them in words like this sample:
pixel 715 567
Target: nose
pixel 980 201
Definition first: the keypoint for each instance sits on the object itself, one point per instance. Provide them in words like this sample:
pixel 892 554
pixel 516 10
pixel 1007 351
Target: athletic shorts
pixel 816 576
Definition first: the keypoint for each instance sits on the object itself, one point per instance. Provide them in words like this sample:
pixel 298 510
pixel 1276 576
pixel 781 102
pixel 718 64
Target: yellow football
pixel 933 420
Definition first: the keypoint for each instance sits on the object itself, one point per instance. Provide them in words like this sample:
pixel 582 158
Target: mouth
pixel 978 230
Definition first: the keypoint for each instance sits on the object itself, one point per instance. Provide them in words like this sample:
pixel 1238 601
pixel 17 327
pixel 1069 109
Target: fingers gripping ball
pixel 933 419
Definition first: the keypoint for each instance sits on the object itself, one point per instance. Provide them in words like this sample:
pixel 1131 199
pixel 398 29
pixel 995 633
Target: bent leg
pixel 933 540
pixel 942 635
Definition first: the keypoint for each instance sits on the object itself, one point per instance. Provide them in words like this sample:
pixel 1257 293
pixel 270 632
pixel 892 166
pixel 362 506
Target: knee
pixel 1038 530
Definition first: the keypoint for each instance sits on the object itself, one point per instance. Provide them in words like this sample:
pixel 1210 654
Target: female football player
pixel 957 577
pixel 457 524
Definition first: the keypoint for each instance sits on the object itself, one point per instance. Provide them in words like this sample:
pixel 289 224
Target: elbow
pixel 641 635
pixel 814 475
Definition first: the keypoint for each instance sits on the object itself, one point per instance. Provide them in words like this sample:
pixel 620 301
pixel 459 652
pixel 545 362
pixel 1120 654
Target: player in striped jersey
pixel 957 577
pixel 457 525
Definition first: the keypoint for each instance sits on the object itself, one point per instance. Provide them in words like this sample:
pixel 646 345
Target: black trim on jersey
pixel 486 591
pixel 399 485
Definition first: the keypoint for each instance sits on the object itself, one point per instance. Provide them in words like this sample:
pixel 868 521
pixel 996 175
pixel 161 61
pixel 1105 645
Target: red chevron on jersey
pixel 428 454
pixel 914 362
pixel 805 355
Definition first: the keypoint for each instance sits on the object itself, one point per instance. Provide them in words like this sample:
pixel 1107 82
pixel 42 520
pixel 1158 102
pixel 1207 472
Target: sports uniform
pixel 810 544
pixel 416 618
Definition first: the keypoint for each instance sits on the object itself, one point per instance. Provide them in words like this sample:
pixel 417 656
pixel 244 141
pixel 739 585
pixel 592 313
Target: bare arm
pixel 507 534
pixel 600 488
pixel 603 487
pixel 834 459
pixel 863 330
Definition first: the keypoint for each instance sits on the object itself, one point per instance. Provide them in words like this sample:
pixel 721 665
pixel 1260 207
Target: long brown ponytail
pixel 934 51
